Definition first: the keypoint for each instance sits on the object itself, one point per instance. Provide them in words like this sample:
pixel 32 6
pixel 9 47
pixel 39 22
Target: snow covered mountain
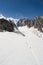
pixel 14 20
pixel 9 18
pixel 16 49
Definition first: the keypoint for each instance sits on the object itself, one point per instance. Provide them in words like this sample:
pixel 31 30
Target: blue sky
pixel 21 8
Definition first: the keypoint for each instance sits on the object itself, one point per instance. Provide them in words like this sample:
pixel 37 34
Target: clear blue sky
pixel 21 8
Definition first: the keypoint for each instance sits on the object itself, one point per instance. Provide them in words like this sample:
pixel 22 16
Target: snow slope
pixel 16 49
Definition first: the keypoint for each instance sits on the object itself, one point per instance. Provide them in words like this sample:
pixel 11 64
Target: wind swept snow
pixel 16 49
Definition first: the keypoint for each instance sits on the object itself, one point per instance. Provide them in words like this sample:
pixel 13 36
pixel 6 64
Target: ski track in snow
pixel 38 34
pixel 23 44
pixel 32 51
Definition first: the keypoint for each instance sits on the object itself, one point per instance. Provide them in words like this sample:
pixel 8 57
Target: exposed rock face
pixel 38 23
pixel 30 23
pixel 21 22
pixel 10 26
pixel 7 25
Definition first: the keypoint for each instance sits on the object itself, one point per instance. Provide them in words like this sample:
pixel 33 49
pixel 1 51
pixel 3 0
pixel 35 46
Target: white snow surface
pixel 12 19
pixel 16 49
